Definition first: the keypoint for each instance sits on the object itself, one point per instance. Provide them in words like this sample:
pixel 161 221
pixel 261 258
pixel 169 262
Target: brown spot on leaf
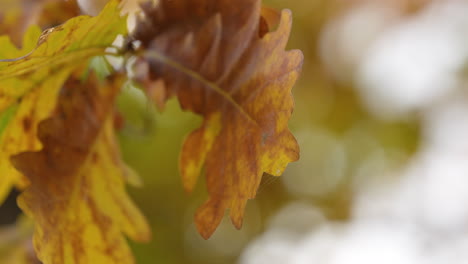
pixel 94 157
pixel 27 124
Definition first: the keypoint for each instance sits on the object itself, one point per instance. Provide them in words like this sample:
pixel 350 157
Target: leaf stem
pixel 197 77
pixel 17 59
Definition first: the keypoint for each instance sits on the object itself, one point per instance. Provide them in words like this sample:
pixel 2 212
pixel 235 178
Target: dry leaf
pixel 221 62
pixel 77 192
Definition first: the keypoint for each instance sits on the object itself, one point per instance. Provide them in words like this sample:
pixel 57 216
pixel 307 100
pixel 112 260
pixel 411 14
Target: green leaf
pixel 6 116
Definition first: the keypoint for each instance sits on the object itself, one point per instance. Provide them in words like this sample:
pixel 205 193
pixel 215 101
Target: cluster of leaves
pixel 225 61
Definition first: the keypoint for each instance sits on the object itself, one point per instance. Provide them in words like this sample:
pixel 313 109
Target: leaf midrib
pixel 198 77
pixel 53 61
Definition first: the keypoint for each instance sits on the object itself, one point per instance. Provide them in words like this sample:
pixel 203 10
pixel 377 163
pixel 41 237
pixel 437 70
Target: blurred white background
pixel 404 66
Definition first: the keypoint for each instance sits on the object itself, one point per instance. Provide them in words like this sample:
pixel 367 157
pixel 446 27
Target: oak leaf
pixel 31 77
pixel 77 192
pixel 220 60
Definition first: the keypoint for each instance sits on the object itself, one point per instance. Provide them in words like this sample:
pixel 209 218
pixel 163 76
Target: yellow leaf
pixel 30 84
pixel 17 15
pixel 77 193
pixel 80 37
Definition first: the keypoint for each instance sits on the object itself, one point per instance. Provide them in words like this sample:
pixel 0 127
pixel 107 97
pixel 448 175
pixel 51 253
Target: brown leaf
pixel 219 59
pixel 77 192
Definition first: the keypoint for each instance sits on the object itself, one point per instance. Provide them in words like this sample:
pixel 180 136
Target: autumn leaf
pixel 16 16
pixel 57 131
pixel 80 37
pixel 30 79
pixel 77 193
pixel 220 60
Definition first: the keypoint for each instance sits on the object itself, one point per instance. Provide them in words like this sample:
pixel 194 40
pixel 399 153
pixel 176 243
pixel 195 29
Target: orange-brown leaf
pixel 219 59
pixel 77 191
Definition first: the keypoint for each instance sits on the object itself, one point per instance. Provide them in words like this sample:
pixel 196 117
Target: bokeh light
pixel 381 117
